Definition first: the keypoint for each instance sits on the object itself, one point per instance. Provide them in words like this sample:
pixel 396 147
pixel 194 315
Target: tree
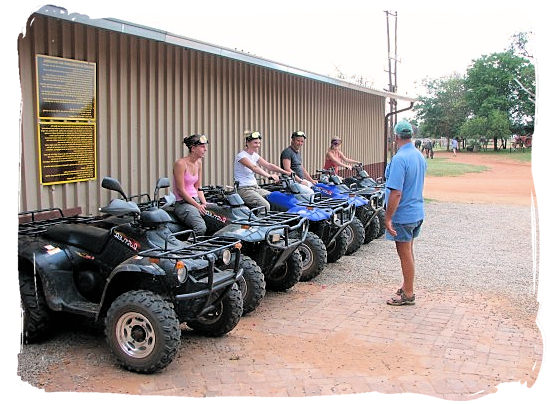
pixel 501 86
pixel 442 112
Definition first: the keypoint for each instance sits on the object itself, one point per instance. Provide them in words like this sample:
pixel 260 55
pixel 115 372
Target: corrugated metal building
pixel 154 88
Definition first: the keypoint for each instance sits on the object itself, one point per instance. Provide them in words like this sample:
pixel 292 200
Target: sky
pixel 434 39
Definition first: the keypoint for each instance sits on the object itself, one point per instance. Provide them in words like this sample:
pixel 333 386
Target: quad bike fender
pixel 50 262
pixel 118 283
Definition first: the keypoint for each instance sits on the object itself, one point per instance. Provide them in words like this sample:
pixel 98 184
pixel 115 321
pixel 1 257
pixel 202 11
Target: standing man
pixel 291 159
pixel 405 206
pixel 454 145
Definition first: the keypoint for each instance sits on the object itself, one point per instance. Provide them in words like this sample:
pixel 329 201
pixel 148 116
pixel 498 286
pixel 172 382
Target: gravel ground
pixel 462 248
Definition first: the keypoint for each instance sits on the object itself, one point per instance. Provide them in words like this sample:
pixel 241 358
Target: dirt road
pixel 506 182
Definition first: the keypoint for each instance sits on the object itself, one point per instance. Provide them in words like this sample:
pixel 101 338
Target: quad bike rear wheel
pixel 36 315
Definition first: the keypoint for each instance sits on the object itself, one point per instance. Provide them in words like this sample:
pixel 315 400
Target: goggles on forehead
pixel 253 135
pixel 299 134
pixel 203 140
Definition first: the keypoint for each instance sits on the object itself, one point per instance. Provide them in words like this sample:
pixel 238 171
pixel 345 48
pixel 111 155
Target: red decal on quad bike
pixel 85 255
pixel 219 218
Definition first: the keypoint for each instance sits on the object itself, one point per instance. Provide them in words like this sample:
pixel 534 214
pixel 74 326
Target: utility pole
pixel 392 75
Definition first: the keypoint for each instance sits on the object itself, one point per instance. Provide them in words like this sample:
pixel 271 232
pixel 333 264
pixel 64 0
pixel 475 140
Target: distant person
pixel 418 143
pixel 454 146
pixel 247 163
pixel 291 160
pixel 187 171
pixel 334 158
pixel 405 207
pixel 428 148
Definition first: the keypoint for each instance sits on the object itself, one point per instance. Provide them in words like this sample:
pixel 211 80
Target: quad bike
pixel 132 276
pixel 326 240
pixel 359 225
pixel 363 182
pixel 266 242
pixel 368 201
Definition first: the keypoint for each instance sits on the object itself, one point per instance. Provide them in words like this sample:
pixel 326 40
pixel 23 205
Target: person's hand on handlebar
pixel 274 177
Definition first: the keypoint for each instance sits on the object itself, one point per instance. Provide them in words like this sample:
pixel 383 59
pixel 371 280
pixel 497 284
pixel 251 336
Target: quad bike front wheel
pixel 382 222
pixel 287 275
pixel 223 317
pixel 355 235
pixel 372 230
pixel 143 331
pixel 338 247
pixel 314 256
pixel 252 284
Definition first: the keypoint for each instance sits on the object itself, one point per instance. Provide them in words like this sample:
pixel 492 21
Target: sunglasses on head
pixel 254 135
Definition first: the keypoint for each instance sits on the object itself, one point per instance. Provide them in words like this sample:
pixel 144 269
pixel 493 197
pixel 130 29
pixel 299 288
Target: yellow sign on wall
pixel 66 110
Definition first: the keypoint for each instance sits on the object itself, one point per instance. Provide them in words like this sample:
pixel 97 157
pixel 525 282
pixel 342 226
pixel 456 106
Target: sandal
pixel 401 300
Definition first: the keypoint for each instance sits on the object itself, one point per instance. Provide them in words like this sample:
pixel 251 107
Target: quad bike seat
pixel 91 238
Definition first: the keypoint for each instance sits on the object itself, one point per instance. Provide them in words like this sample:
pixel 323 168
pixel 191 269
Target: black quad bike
pixel 269 256
pixel 363 182
pixel 133 276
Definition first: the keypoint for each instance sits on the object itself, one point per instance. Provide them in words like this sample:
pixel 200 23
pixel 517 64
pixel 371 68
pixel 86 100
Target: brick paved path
pixel 321 340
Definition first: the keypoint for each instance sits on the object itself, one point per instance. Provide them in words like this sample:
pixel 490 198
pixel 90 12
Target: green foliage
pixel 496 94
pixel 444 109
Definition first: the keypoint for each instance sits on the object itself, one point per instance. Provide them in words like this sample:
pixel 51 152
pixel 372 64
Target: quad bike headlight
pixel 275 237
pixel 226 257
pixel 181 270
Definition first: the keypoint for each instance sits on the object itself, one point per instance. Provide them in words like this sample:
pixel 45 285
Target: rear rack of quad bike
pixel 202 247
pixel 31 223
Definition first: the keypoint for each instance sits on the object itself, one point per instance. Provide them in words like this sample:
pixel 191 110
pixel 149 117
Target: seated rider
pixel 190 202
pixel 334 157
pixel 248 163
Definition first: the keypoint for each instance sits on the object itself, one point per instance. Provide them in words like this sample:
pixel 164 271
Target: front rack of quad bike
pixel 195 247
pixel 261 217
pixel 202 247
pixel 35 222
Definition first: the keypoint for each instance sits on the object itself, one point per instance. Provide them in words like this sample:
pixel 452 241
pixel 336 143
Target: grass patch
pixel 442 167
pixel 518 155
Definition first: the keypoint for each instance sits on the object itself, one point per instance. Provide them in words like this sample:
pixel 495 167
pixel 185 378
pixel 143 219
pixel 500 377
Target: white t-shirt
pixel 242 173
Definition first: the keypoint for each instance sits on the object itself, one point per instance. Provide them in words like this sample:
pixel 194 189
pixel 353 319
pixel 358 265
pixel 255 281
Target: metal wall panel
pixel 150 95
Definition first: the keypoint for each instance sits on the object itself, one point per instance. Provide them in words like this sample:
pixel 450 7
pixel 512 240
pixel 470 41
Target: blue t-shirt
pixel 406 173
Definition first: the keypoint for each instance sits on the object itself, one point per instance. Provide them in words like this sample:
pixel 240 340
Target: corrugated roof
pixel 129 28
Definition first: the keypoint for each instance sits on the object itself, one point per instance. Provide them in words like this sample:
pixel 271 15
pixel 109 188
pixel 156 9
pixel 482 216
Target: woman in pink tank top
pixel 187 181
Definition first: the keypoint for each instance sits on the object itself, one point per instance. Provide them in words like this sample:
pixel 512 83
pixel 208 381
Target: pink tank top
pixel 190 181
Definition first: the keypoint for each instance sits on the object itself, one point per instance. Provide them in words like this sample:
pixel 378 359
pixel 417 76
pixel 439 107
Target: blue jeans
pixel 405 232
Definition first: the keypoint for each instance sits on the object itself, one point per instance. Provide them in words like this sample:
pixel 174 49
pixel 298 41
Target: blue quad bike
pixel 270 241
pixel 363 182
pixel 133 277
pixel 369 201
pixel 326 240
